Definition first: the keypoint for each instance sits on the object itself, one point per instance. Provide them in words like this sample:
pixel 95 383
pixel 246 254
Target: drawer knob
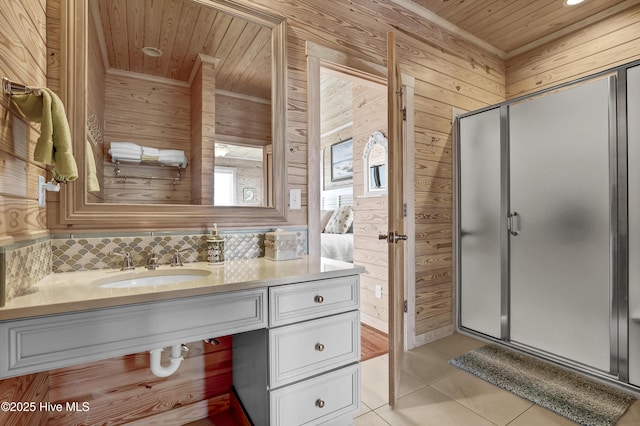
pixel 320 403
pixel 319 347
pixel 319 299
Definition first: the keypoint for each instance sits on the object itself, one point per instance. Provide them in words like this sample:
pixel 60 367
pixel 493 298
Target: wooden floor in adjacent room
pixel 373 342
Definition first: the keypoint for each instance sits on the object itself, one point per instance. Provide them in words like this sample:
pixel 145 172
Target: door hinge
pixel 404 114
pixel 406 307
pixel 404 210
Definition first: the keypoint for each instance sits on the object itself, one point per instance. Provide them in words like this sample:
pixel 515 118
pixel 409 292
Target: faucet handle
pixel 127 260
pixel 152 262
pixel 176 259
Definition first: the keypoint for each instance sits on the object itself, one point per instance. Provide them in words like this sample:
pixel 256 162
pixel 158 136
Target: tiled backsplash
pixel 83 254
pixel 22 266
pixel 27 263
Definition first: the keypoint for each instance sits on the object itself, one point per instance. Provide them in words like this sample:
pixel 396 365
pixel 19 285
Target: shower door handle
pixel 513 223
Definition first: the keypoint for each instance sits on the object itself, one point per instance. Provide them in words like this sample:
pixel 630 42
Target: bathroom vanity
pixel 295 327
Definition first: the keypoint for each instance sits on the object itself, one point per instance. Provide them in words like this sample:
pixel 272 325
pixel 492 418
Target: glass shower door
pixel 479 197
pixel 560 300
pixel 633 112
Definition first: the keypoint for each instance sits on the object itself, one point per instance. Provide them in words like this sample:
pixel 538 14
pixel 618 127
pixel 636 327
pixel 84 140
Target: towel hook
pixel 6 86
pixel 9 88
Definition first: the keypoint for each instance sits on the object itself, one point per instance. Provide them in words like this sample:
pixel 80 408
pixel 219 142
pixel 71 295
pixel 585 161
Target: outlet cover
pixel 378 291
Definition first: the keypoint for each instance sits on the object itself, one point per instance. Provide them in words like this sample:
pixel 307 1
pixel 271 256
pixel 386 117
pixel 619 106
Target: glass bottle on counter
pixel 215 247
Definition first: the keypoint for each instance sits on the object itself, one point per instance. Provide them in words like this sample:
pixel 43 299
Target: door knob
pixel 392 237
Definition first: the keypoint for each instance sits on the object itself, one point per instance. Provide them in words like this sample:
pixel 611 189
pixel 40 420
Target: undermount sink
pixel 151 278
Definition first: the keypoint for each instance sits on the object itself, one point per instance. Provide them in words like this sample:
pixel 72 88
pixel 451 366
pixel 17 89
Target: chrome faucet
pixel 152 262
pixel 127 260
pixel 176 259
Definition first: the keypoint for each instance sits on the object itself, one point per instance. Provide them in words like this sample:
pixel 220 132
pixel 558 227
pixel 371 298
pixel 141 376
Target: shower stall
pixel 547 228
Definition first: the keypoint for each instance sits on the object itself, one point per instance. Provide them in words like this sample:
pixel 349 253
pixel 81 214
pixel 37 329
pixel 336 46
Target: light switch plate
pixel 294 199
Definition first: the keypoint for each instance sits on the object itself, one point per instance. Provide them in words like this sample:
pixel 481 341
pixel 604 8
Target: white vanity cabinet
pixel 47 342
pixel 296 337
pixel 301 351
pixel 312 374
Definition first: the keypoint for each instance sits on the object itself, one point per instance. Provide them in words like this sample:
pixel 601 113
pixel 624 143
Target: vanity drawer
pixel 44 343
pixel 302 350
pixel 318 400
pixel 300 302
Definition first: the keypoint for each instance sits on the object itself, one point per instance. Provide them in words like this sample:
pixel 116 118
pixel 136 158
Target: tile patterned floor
pixel 432 392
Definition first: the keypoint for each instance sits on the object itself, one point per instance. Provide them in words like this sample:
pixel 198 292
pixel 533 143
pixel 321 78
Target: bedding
pixel 338 246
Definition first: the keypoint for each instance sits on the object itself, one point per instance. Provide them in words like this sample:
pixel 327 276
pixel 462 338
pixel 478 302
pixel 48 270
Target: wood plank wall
pixel 370 213
pixel 605 44
pixel 95 107
pixel 203 131
pixel 23 59
pixel 243 119
pixel 151 113
pixel 449 72
pixel 123 389
pixel 336 104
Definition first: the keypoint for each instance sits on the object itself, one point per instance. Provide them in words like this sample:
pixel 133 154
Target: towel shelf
pixel 118 172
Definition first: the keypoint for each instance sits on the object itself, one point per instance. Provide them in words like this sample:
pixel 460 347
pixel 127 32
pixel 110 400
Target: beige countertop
pixel 79 291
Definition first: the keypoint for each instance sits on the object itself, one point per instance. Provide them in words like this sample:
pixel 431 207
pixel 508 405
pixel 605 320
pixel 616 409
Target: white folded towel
pixel 118 153
pixel 171 153
pixel 151 152
pixel 181 163
pixel 125 157
pixel 126 146
pixel 172 157
pixel 131 152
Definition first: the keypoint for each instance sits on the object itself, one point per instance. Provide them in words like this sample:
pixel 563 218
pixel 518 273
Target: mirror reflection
pixel 375 161
pixel 239 175
pixel 179 105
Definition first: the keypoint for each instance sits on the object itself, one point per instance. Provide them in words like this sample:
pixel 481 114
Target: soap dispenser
pixel 215 247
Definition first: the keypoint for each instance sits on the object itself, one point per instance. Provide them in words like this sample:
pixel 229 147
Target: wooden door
pixel 395 234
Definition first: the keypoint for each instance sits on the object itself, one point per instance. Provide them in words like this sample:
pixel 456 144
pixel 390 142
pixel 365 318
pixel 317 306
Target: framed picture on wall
pixel 342 160
pixel 249 195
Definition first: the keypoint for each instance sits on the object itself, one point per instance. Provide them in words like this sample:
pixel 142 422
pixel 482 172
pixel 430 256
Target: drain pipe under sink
pixel 175 358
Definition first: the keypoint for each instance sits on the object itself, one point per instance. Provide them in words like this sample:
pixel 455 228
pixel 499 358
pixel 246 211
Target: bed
pixel 336 240
pixel 337 246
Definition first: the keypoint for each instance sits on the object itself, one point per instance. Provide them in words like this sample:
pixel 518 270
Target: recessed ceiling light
pixel 154 52
pixel 572 2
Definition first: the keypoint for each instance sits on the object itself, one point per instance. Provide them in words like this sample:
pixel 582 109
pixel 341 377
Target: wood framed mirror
pixel 84 209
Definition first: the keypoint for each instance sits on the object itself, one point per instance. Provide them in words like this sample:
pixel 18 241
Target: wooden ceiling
pixel 515 26
pixel 182 29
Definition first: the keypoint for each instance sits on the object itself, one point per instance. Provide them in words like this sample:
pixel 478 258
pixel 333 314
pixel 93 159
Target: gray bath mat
pixel 566 393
